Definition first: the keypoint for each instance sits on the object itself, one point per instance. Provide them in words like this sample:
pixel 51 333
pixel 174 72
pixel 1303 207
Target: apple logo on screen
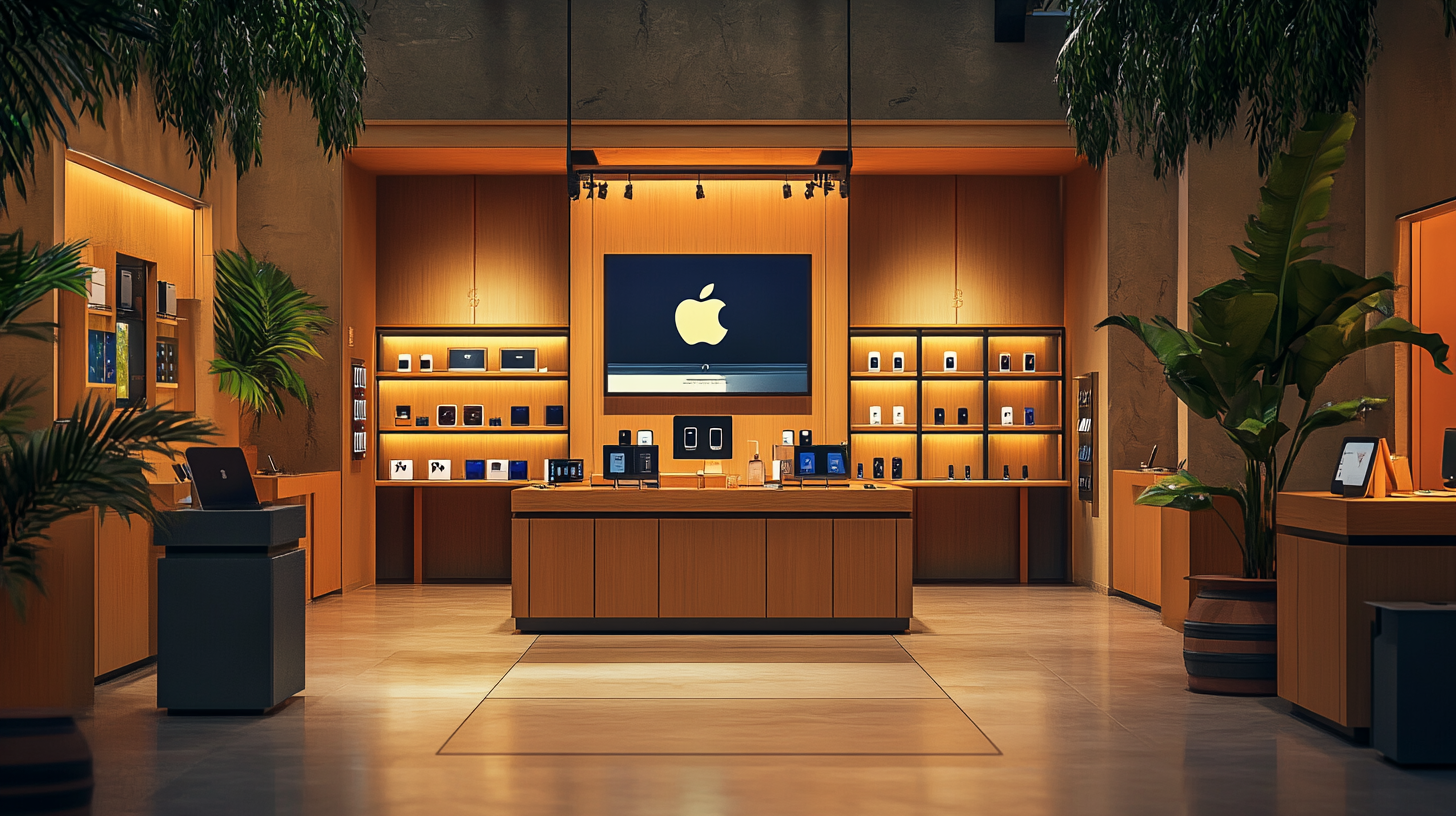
pixel 697 320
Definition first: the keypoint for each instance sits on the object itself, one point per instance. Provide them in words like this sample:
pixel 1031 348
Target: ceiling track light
pixel 700 194
pixel 627 193
pixel 602 190
pixel 808 189
pixel 788 192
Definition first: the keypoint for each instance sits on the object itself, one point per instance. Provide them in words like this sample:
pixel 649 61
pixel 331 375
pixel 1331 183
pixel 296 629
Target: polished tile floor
pixel 1002 700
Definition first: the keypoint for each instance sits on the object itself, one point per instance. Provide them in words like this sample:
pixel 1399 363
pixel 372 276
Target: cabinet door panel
pixel 712 568
pixel 626 568
pixel 864 568
pixel 561 568
pixel 800 568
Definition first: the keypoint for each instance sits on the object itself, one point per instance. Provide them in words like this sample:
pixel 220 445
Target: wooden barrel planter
pixel 45 764
pixel 1229 637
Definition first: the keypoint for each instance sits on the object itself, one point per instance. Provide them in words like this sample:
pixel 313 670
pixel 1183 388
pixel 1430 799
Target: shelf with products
pixel 969 380
pixel 469 415
pixel 1085 451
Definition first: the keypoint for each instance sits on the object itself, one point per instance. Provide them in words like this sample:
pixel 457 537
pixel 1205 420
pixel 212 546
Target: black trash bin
pixel 1413 682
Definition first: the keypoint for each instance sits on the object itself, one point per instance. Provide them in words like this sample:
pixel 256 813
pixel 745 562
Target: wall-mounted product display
pixel 644 436
pixel 439 470
pixel 1086 400
pixel 1012 376
pixel 562 471
pixel 359 394
pixel 702 437
pixel 683 324
pixel 456 408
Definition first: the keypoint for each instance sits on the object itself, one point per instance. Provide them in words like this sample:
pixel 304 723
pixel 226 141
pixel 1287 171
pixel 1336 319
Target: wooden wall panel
pixel 394 535
pixel 865 560
pixel 123 218
pixel 358 319
pixel 1320 631
pixel 800 568
pixel 562 575
pixel 59 628
pixel 626 568
pixel 711 568
pixel 520 568
pixel 904 567
pixel 967 535
pixel 942 450
pixel 521 250
pixel 1009 249
pixel 123 592
pixel 426 250
pixel 903 251
pixel 735 217
pixel 467 534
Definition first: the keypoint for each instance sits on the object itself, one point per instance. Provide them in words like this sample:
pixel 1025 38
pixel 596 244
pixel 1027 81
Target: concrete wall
pixel 705 59
pixel 290 212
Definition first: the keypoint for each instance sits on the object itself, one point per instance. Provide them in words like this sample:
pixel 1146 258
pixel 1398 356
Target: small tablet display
pixel 1352 473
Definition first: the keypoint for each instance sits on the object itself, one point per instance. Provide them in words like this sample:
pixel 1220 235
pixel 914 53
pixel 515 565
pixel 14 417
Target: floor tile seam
pixel 953 700
pixel 663 699
pixel 487 695
pixel 724 753
pixel 1109 715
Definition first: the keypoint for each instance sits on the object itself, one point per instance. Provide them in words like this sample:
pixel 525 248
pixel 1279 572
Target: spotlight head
pixel 602 190
pixel 788 193
pixel 591 190
pixel 627 191
pixel 828 186
pixel 700 193
pixel 844 187
pixel 808 189
pixel 573 185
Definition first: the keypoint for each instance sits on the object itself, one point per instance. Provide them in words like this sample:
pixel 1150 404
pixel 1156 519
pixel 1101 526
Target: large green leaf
pixel 1329 416
pixel 98 458
pixel 1329 345
pixel 262 324
pixel 27 275
pixel 1231 322
pixel 1183 366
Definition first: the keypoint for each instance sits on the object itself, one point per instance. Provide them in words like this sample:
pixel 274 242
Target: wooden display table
pixel 1334 555
pixel 742 559
pixel 323 543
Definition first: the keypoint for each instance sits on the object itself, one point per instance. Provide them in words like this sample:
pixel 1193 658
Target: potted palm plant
pixel 263 323
pixel 1283 324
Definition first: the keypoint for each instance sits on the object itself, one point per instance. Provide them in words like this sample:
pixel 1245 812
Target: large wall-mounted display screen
pixel 707 324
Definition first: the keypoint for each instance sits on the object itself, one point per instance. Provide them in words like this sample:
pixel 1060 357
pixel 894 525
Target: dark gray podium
pixel 230 600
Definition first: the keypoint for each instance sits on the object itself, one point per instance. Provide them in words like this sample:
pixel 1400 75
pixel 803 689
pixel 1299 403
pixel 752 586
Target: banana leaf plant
pixel 1283 324
pixel 96 457
pixel 262 324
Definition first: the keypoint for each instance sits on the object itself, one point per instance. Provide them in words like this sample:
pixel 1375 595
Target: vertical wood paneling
pixel 522 250
pixel 426 250
pixel 1009 249
pixel 904 568
pixel 902 252
pixel 467 533
pixel 626 568
pixel 358 318
pixel 562 575
pixel 735 217
pixel 123 593
pixel 800 557
pixel 967 535
pixel 520 568
pixel 865 560
pixel 711 568
pixel 1288 616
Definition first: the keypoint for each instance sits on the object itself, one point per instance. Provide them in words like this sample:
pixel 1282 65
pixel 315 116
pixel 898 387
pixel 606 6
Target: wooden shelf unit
pixel 976 384
pixel 495 390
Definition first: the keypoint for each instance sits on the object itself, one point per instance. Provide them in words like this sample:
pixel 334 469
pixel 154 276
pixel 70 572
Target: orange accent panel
pixel 1433 308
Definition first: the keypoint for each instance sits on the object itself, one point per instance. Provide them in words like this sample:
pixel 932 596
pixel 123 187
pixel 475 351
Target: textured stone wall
pixel 705 59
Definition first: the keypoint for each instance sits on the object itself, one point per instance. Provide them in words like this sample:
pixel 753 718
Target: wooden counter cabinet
pixel 744 559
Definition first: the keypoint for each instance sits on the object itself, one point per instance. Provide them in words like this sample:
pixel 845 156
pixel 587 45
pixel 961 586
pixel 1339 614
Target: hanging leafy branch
pixel 1155 76
pixel 210 64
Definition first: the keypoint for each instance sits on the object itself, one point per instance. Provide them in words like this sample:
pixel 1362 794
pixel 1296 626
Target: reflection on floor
pixel 421 700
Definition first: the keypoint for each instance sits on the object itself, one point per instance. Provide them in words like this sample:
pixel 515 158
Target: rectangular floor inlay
pixel 766 727
pixel 716 649
pixel 724 680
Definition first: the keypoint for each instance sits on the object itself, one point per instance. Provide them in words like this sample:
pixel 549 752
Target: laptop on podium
pixel 222 479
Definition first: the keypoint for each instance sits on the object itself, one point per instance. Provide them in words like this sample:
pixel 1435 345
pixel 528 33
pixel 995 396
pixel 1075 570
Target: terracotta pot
pixel 45 764
pixel 1229 637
